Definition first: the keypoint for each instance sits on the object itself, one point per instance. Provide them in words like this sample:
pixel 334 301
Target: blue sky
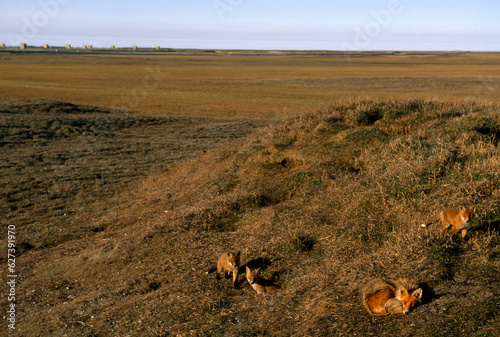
pixel 256 24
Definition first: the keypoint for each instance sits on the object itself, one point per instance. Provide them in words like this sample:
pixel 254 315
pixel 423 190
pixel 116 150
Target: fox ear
pixel 401 291
pixel 238 254
pixel 461 208
pixel 417 293
pixel 248 270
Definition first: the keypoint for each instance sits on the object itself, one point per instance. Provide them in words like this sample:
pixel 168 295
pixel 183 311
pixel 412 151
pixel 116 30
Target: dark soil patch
pixel 59 158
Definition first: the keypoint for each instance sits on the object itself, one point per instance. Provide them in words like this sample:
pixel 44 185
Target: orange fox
pixel 229 263
pixel 385 297
pixel 260 285
pixel 454 220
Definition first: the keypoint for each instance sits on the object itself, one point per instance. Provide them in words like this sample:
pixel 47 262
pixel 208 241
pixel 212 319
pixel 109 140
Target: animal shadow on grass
pixel 487 226
pixel 429 294
pixel 261 263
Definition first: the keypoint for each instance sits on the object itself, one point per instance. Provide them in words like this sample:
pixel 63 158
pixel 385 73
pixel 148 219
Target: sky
pixel 467 25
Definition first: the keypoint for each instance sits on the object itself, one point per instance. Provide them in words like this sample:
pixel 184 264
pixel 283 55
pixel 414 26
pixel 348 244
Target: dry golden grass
pixel 256 87
pixel 323 203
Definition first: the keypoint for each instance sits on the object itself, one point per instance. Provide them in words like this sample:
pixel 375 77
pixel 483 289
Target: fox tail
pixel 212 269
pixel 435 218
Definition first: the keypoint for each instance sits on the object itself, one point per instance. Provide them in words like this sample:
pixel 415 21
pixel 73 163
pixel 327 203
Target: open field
pixel 236 86
pixel 127 176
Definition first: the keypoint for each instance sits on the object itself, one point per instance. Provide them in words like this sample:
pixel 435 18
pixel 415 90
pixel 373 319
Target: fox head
pixel 252 275
pixel 408 300
pixel 467 213
pixel 233 259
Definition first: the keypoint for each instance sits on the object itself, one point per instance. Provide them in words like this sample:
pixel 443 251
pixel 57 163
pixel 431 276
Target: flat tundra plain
pixel 239 86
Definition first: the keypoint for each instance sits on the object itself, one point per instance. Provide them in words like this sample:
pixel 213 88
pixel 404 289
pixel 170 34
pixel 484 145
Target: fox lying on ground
pixel 454 220
pixel 260 285
pixel 228 263
pixel 385 297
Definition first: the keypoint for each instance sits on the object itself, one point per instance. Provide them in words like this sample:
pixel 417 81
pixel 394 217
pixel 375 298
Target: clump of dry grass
pixel 322 203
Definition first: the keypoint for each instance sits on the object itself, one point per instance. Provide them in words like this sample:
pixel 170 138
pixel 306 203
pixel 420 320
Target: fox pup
pixel 260 285
pixel 385 297
pixel 229 263
pixel 454 220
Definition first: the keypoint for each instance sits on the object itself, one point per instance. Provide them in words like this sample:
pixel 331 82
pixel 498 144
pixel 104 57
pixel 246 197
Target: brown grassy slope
pixel 323 203
pixel 255 87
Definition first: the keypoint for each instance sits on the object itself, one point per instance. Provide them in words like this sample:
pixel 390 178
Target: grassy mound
pixel 323 203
